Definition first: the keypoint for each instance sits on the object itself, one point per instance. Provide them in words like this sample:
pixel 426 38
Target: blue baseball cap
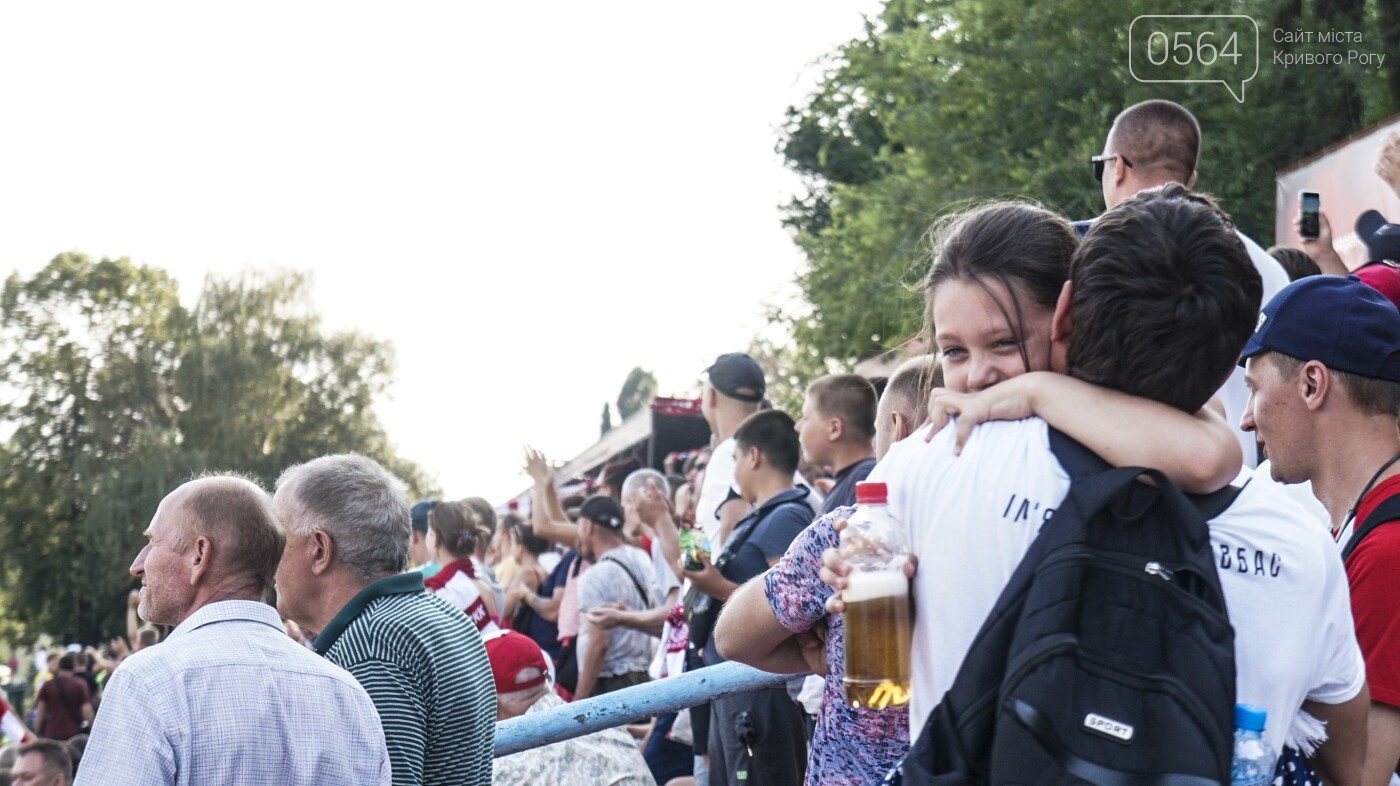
pixel 1335 320
pixel 419 514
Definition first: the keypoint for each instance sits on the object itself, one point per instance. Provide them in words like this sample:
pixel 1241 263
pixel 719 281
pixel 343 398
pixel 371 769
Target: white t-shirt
pixel 1235 394
pixel 719 478
pixel 973 517
pixel 1301 493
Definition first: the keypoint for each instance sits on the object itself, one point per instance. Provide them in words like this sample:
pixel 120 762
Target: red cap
pixel 517 662
pixel 871 492
pixel 1382 277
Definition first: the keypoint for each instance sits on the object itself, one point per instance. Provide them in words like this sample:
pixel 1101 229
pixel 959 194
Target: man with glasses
pixel 1158 142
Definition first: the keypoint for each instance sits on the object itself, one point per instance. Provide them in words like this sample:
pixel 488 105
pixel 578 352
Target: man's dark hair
pixel 773 432
pixel 1164 298
pixel 67 663
pixel 56 755
pixel 849 397
pixel 1373 397
pixel 1161 139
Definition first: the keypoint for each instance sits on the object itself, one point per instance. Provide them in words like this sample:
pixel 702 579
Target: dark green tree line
pixel 114 393
pixel 942 103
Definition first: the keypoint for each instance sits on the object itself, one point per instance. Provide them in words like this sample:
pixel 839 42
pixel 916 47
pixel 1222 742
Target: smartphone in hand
pixel 1309 208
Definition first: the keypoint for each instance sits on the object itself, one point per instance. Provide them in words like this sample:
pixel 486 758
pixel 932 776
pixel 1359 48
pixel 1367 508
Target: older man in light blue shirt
pixel 228 697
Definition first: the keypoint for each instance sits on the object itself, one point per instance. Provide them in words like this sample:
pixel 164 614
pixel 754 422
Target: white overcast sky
pixel 526 199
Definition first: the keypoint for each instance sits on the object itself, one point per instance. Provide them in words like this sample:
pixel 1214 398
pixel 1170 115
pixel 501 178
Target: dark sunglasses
pixel 1099 160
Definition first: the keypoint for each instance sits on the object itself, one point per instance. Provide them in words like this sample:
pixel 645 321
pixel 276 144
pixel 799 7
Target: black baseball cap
pixel 738 376
pixel 603 511
pixel 1381 237
pixel 1336 320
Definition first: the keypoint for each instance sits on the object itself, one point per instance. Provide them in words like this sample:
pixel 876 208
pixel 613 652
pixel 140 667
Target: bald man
pixel 227 697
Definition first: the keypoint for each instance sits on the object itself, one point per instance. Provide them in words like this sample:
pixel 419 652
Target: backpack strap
pixel 1384 513
pixel 1217 502
pixel 1078 461
pixel 646 596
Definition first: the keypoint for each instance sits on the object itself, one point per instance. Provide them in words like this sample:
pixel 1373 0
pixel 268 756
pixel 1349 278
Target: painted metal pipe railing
pixel 630 705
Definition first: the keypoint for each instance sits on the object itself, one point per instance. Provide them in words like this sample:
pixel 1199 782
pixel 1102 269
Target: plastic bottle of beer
pixel 877 618
pixel 1253 764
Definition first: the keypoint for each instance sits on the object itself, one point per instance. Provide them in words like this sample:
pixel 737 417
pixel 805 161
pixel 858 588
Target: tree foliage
pixel 942 103
pixel 114 393
pixel 637 391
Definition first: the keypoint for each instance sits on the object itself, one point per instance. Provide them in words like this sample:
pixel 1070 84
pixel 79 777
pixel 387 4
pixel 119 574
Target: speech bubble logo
pixel 1178 48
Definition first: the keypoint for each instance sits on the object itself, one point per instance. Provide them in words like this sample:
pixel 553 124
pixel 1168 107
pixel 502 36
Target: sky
pixel 526 200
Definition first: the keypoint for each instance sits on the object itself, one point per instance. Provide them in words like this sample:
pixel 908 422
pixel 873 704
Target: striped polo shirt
pixel 423 664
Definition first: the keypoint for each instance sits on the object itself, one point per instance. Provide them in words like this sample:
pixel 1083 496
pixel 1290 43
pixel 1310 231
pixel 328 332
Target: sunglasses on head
pixel 1099 160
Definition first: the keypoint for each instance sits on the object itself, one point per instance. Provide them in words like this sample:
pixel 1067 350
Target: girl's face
pixel 977 345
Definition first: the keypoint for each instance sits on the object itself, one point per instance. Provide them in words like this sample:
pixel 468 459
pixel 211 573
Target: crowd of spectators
pixel 403 633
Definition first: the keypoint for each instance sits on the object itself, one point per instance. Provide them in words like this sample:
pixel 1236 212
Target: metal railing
pixel 631 705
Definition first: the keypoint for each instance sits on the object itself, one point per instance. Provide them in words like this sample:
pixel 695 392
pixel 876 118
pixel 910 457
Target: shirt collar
pixel 398 584
pixel 226 610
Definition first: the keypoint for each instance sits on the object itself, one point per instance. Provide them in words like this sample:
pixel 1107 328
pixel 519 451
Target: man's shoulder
pixel 392 626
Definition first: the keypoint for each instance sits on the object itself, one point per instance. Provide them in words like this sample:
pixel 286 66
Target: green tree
pixel 88 354
pixel 942 103
pixel 637 391
pixel 115 394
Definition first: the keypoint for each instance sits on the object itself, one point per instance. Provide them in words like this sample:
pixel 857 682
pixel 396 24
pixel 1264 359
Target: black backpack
pixel 1108 658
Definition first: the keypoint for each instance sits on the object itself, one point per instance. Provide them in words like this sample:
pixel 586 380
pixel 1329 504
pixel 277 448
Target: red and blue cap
pixel 1338 321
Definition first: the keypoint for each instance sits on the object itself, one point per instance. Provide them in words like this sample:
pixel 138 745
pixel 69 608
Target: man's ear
pixel 835 429
pixel 1191 181
pixel 902 426
pixel 201 550
pixel 1314 384
pixel 322 552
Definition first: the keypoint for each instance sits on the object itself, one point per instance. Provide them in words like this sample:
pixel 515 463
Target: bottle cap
pixel 1250 717
pixel 871 493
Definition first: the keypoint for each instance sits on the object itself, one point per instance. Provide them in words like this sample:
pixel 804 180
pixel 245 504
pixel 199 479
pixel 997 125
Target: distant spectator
pixel 418 554
pixel 454 529
pixel 609 660
pixel 522 686
pixel 612 475
pixel 837 431
pixel 43 763
pixel 486 515
pixel 77 744
pixel 524 591
pixel 1296 262
pixel 63 707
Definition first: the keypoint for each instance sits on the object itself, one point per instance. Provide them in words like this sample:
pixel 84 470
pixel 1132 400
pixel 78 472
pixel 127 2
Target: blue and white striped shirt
pixel 230 698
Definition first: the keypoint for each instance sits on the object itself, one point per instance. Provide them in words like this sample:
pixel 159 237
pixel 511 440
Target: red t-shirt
pixel 63 699
pixel 1373 573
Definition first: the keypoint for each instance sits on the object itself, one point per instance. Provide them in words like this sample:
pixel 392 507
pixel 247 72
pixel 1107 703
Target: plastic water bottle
pixel 1253 763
